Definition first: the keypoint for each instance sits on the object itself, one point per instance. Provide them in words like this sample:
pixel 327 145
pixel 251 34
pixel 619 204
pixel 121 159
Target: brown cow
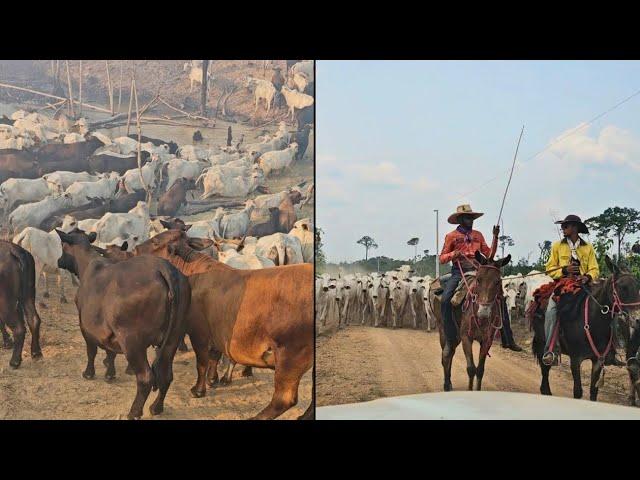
pixel 287 212
pixel 175 197
pixel 126 307
pixel 105 163
pixel 269 227
pixel 17 300
pixel 17 164
pixel 259 318
pixel 63 152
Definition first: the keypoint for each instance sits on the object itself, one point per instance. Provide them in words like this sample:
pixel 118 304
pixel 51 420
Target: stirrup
pixel 551 355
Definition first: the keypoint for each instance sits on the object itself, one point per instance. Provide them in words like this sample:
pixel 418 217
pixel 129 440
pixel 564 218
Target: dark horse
pixel 616 295
pixel 478 319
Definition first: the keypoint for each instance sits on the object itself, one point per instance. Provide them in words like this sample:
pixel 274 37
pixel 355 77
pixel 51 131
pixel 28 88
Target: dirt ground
pixel 53 388
pixel 358 364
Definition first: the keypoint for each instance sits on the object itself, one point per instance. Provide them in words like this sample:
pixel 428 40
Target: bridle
pixel 472 301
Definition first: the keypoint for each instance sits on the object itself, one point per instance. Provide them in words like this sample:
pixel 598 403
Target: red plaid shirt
pixel 468 244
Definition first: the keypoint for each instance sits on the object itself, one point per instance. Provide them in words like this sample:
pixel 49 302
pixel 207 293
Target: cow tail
pixel 172 309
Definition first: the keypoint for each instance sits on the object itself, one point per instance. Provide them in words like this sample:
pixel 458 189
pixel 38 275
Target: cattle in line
pixel 259 318
pixel 17 301
pixel 126 307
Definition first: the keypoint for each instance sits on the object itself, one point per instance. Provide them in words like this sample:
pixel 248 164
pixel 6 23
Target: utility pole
pixel 437 246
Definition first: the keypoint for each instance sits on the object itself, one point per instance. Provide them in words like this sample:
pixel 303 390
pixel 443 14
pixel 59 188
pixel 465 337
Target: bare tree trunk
pixel 130 106
pixel 80 89
pixel 71 111
pixel 205 84
pixel 109 87
pixel 120 89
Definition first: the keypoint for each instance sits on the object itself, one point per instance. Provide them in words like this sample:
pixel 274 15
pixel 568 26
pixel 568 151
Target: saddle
pixel 437 287
pixel 541 296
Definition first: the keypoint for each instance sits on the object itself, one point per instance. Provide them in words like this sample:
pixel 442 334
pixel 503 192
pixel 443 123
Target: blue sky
pixel 399 139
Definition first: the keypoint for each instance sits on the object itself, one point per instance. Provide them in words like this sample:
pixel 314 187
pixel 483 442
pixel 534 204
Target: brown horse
pixel 477 320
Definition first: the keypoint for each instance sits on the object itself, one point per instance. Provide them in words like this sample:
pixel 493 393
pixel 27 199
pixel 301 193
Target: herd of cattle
pixel 399 298
pixel 77 201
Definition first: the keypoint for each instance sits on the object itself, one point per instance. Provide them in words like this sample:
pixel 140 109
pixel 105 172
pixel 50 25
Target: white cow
pixel 277 161
pixel 22 190
pixel 244 262
pixel 150 171
pixel 235 225
pixel 216 183
pixel 126 226
pixel 303 230
pixel 46 249
pixel 263 89
pixel 33 214
pixel 281 248
pixel 401 303
pixel 104 188
pixel 296 100
pixel 207 228
pixel 179 168
pixel 61 180
pixel 305 66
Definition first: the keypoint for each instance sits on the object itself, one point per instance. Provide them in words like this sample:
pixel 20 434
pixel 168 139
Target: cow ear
pixel 165 224
pixel 125 246
pixel 505 260
pixel 480 258
pixel 92 237
pixel 186 228
pixel 63 236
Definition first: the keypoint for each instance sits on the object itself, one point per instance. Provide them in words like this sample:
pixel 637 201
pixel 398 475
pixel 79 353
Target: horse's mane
pixel 190 261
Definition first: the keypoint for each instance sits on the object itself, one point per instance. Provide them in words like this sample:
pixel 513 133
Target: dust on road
pixel 358 364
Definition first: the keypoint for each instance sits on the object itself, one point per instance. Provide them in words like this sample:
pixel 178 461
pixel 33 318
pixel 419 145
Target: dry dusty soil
pixel 358 364
pixel 53 388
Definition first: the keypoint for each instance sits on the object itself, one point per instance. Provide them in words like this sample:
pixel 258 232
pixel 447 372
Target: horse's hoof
pixel 247 373
pixel 134 416
pixel 156 409
pixel 213 383
pixel 36 356
pixel 15 363
pixel 447 387
pixel 197 393
pixel 88 375
pixel 109 377
pixel 224 382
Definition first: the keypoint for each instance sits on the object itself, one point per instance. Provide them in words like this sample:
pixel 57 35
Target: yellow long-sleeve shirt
pixel 561 257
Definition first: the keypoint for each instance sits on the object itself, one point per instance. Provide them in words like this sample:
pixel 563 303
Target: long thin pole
pixel 510 175
pixel 109 87
pixel 71 111
pixel 437 246
pixel 80 91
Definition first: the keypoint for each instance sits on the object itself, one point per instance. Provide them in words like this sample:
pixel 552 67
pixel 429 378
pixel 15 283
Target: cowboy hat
pixel 582 228
pixel 463 210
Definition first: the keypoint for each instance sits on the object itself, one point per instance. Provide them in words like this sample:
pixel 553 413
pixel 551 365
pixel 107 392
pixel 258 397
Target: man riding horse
pixel 570 258
pixel 460 247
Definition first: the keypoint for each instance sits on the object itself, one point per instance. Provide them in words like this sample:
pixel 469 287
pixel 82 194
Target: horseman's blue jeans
pixel 450 329
pixel 550 319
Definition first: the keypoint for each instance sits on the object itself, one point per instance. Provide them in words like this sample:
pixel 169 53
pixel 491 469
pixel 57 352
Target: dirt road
pixel 53 388
pixel 358 364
